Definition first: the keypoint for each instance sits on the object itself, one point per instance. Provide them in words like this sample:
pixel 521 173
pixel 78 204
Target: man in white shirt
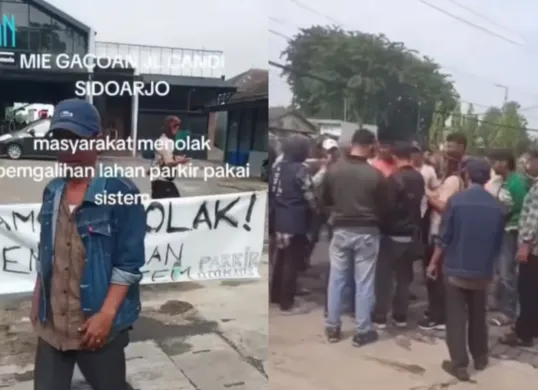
pixel 428 173
pixel 431 182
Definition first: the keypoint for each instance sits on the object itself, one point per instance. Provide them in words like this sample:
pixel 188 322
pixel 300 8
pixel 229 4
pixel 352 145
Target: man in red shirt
pixel 384 161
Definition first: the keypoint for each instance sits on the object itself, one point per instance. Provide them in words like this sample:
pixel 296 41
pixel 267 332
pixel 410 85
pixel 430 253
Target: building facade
pixel 240 121
pixel 42 28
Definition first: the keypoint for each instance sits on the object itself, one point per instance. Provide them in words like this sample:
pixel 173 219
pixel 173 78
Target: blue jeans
pixel 505 290
pixel 352 253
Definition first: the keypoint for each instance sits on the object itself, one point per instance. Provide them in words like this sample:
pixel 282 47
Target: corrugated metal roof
pixel 190 81
pixel 252 84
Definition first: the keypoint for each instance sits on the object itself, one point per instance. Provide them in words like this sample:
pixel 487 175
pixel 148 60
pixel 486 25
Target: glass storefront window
pixel 58 25
pixel 23 39
pixel 20 11
pixel 62 41
pixel 39 18
pixel 35 40
pixel 80 45
pixel 47 39
pixel 40 32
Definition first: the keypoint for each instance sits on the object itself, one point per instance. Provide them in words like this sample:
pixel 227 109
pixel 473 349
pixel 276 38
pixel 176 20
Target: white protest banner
pixel 195 238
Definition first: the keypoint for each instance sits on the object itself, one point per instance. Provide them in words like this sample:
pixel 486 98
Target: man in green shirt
pixel 510 191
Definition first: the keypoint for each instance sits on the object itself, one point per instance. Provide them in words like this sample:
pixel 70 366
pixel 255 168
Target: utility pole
pixel 505 92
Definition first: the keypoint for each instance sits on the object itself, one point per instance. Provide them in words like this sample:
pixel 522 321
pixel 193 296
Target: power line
pixel 306 74
pixel 486 18
pixel 305 7
pixel 488 81
pixel 451 69
pixel 288 39
pixel 343 85
pixel 283 22
pixel 471 24
pixel 533 107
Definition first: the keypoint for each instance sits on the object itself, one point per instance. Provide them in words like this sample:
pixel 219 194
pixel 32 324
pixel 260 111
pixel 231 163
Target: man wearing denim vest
pixel 469 242
pixel 86 296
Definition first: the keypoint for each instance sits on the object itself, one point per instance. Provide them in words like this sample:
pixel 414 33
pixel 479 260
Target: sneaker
pixel 296 309
pixel 361 339
pixel 459 373
pixel 427 324
pixel 380 322
pixel 480 364
pixel 333 334
pixel 400 321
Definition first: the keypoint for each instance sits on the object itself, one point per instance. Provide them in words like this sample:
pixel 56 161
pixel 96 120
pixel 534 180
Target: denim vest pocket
pixel 97 238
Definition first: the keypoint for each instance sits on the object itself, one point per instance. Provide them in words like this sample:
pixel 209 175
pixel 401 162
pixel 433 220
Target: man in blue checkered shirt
pixel 526 328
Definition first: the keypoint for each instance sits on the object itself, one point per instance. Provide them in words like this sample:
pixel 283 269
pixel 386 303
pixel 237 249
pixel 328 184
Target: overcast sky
pixel 476 60
pixel 236 27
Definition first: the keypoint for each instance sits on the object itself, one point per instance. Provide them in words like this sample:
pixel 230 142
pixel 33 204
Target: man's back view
pixel 469 243
pixel 356 195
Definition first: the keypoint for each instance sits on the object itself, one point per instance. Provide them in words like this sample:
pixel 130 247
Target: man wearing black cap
pixel 470 240
pixel 87 295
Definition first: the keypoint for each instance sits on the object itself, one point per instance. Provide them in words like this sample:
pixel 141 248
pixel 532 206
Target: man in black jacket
pixel 399 240
pixel 356 195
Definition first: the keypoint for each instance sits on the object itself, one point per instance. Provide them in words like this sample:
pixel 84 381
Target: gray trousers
pixel 103 369
pixel 394 273
pixel 466 324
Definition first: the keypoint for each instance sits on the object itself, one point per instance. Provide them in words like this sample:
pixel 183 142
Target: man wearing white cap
pixel 332 152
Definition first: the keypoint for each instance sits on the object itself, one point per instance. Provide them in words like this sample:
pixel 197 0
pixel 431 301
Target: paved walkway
pixel 200 362
pixel 314 281
pixel 301 359
pixel 214 338
pixel 410 359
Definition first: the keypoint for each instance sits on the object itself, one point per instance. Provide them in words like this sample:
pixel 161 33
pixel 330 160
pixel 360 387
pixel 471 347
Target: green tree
pixel 437 126
pixel 378 81
pixel 512 132
pixel 468 126
pixel 487 130
pixel 504 128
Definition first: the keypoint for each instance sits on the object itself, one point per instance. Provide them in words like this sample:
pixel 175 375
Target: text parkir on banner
pixel 195 238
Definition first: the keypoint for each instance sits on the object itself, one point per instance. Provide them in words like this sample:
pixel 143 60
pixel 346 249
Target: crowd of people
pixel 472 221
